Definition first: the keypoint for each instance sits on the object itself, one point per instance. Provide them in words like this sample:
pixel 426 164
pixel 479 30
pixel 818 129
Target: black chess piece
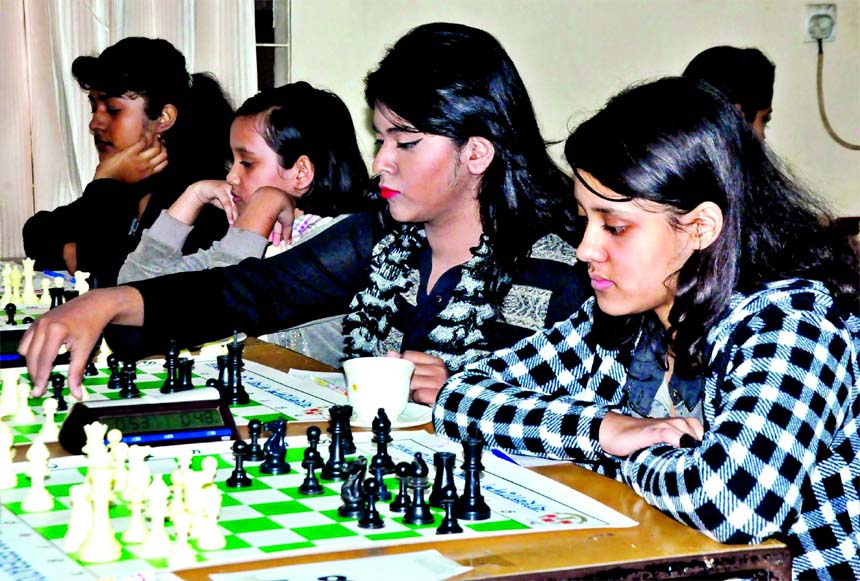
pixel 113 365
pixel 90 370
pixel 449 524
pixel 11 309
pixel 402 501
pixel 344 413
pixel 171 367
pixel 58 382
pixel 371 518
pixel 56 296
pixel 444 462
pixel 336 466
pixel 377 470
pixel 381 427
pixel 186 368
pixel 239 478
pixel 218 384
pixel 275 448
pixel 471 505
pixel 234 392
pixel 255 450
pixel 311 461
pixel 352 492
pixel 27 320
pixel 69 295
pixel 128 388
pixel 419 512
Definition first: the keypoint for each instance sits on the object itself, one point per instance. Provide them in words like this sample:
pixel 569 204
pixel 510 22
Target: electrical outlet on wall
pixel 819 23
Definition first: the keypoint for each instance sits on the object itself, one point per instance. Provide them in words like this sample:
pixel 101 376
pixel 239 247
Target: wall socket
pixel 819 22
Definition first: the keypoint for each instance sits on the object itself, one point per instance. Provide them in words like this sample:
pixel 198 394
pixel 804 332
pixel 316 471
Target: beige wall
pixel 574 54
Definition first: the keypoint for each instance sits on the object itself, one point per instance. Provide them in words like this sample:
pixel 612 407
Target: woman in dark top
pixel 470 255
pixel 157 130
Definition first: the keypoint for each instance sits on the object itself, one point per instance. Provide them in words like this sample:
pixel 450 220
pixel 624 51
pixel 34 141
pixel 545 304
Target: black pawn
pixel 255 452
pixel 11 309
pixel 113 365
pixel 91 370
pixel 471 505
pixel 381 437
pixel 27 320
pixel 57 384
pixel 419 513
pixel 371 519
pixel 444 462
pixel 128 389
pixel 311 461
pixel 377 469
pixel 449 524
pixel 69 295
pixel 402 501
pixel 56 296
pixel 238 478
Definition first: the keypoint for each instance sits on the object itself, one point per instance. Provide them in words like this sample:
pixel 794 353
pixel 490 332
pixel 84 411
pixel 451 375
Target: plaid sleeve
pixel 545 396
pixel 779 404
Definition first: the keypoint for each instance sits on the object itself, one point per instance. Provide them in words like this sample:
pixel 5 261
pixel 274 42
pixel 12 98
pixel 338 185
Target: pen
pixel 328 384
pixel 498 453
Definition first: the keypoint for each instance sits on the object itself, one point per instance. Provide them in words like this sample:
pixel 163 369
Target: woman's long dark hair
pixel 457 81
pixel 303 120
pixel 679 142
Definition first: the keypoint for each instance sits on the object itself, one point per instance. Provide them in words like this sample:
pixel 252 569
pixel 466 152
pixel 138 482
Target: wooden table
pixel 658 547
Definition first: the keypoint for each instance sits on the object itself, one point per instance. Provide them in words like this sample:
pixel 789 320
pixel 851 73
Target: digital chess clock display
pixel 165 421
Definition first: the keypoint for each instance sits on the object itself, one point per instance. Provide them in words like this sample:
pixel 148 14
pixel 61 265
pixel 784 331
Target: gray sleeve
pixel 160 251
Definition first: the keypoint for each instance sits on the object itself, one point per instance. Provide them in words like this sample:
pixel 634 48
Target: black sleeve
pixel 315 279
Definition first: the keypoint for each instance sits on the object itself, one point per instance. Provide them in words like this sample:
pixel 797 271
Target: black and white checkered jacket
pixel 781 453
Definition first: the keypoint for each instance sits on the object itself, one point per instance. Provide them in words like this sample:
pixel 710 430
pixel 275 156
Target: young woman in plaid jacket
pixel 700 247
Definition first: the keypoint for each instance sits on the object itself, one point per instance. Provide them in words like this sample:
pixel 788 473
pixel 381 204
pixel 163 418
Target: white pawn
pixel 9 395
pixel 100 545
pixel 81 284
pixel 24 415
pixel 28 297
pixel 181 554
pixel 45 298
pixel 136 531
pixel 157 543
pixel 118 451
pixel 38 498
pixel 49 432
pixel 80 519
pixel 15 282
pixel 212 538
pixel 8 477
pixel 5 277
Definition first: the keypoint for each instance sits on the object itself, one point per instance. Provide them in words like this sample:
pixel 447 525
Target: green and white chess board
pixel 272 519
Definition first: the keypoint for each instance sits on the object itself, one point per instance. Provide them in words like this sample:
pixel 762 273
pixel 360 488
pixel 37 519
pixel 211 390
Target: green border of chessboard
pixel 242 413
pixel 335 527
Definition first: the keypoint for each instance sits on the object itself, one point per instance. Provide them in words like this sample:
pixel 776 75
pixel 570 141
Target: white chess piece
pixel 9 395
pixel 81 284
pixel 100 545
pixel 95 449
pixel 24 415
pixel 136 531
pixel 45 298
pixel 157 543
pixel 38 498
pixel 8 476
pixel 28 297
pixel 181 554
pixel 80 519
pixel 212 537
pixel 15 282
pixel 5 277
pixel 49 432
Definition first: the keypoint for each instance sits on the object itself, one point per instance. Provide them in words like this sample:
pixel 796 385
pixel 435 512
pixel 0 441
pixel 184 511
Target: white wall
pixel 574 54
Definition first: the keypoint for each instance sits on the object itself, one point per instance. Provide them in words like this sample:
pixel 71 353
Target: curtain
pixel 48 155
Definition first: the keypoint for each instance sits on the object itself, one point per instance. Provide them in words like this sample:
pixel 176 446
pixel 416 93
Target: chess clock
pixel 10 336
pixel 198 415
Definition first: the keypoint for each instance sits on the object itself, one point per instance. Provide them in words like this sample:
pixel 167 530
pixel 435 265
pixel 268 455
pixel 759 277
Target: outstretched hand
pixel 215 192
pixel 622 435
pixel 135 163
pixel 430 374
pixel 76 325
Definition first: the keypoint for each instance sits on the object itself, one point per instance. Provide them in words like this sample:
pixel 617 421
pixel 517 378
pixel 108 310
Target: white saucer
pixel 415 414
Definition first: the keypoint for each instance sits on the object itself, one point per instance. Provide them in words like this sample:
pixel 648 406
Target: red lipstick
pixel 387 193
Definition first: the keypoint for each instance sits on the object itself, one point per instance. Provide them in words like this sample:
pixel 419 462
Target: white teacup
pixel 378 382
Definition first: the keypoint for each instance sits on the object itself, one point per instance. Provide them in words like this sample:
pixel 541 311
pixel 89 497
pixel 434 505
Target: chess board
pixel 272 519
pixel 273 393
